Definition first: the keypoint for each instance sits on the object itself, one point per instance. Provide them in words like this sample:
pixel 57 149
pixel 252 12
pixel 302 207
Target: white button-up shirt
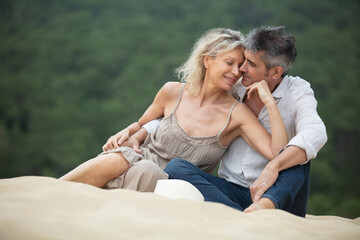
pixel 295 99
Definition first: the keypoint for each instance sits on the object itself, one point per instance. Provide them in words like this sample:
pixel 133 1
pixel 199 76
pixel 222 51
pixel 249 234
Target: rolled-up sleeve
pixel 310 129
pixel 151 126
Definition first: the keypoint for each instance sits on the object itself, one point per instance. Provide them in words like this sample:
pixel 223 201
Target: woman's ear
pixel 277 72
pixel 206 61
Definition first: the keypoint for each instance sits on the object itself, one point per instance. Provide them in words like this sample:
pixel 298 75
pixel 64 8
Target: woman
pixel 200 119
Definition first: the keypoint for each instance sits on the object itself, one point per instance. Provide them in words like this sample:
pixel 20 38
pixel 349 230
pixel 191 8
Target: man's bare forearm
pixel 140 135
pixel 290 157
pixel 136 140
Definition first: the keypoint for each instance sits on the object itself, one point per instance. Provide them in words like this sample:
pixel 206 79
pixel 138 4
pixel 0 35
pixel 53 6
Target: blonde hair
pixel 212 43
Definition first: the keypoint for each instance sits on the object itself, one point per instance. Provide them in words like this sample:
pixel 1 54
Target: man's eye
pixel 229 63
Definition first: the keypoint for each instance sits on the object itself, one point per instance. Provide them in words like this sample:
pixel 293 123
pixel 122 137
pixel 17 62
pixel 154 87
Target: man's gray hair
pixel 279 47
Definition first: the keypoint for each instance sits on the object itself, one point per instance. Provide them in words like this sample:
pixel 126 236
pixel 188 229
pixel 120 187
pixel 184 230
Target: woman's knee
pixel 112 164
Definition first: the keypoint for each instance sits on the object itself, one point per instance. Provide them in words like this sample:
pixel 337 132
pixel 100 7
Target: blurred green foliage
pixel 73 73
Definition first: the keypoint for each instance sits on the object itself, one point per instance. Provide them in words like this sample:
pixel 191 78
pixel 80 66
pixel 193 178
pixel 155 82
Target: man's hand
pixel 136 139
pixel 290 157
pixel 133 143
pixel 266 179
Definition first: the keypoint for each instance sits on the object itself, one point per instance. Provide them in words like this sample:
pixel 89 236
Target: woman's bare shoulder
pixel 241 112
pixel 239 105
pixel 170 87
pixel 170 90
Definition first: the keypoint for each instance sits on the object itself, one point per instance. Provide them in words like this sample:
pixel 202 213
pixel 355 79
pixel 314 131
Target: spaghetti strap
pixel 228 119
pixel 179 98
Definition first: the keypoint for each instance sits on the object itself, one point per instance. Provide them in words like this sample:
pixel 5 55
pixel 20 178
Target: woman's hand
pixel 263 90
pixel 115 141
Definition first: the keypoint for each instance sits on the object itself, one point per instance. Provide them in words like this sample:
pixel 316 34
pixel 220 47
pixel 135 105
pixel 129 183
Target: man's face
pixel 253 68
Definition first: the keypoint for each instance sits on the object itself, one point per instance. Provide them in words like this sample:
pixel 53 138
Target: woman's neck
pixel 211 94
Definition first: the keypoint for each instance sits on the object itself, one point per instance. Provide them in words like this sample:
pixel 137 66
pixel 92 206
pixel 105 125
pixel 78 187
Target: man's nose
pixel 243 67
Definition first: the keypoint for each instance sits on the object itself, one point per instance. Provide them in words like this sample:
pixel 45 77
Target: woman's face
pixel 224 69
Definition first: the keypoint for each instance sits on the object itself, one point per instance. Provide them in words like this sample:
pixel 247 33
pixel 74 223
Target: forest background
pixel 74 72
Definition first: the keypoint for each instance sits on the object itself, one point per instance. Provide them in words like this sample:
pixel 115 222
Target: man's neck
pixel 274 84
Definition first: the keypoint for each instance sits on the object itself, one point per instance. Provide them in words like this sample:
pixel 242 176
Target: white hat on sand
pixel 178 189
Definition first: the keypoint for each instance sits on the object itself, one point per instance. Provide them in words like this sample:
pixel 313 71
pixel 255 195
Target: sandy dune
pixel 47 208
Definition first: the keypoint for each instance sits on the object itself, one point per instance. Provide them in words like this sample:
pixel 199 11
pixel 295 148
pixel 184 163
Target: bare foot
pixel 263 203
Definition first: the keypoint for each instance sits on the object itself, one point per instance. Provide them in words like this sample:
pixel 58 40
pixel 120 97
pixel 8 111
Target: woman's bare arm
pixel 155 110
pixel 279 137
pixel 253 132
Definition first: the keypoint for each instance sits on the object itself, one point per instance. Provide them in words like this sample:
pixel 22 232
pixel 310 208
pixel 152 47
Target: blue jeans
pixel 290 192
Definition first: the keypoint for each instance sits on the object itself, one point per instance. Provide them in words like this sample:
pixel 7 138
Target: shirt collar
pixel 281 89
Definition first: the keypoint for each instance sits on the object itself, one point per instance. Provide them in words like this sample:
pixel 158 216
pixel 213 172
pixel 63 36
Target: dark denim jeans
pixel 290 192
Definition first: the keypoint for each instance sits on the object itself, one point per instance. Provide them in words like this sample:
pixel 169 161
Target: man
pixel 247 180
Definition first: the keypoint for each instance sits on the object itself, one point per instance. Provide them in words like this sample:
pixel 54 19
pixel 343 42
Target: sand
pixel 47 208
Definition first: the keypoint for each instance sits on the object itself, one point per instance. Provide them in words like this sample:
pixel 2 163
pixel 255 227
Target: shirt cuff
pixel 307 147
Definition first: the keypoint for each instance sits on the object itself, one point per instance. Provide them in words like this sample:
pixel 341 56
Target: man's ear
pixel 277 72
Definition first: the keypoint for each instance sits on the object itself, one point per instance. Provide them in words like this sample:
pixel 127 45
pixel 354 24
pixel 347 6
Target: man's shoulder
pixel 298 85
pixel 297 82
